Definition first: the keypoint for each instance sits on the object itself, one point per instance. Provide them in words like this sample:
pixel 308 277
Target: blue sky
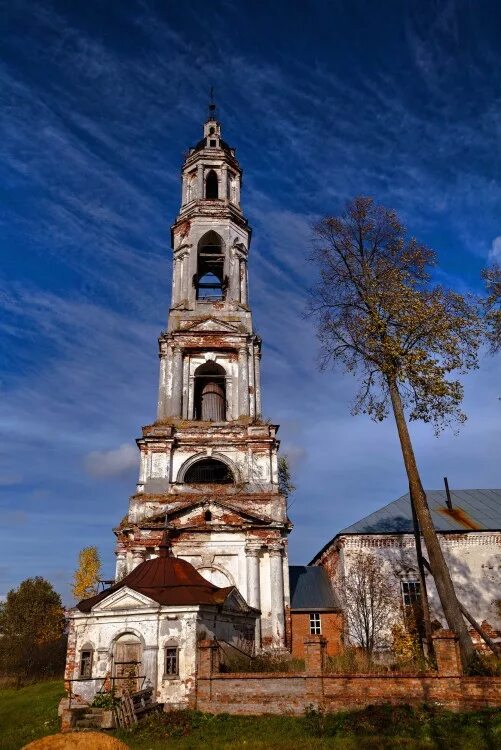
pixel 323 101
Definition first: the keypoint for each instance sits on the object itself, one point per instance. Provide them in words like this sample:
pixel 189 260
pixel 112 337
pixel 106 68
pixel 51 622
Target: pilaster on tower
pixel 209 461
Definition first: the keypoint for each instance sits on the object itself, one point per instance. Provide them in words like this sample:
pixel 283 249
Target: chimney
pixel 448 494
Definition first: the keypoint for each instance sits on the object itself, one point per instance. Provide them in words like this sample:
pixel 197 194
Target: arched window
pixel 211 186
pixel 209 471
pixel 210 393
pixel 209 280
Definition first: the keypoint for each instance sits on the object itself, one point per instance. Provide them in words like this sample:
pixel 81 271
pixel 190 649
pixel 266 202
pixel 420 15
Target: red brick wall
pixel 332 630
pixel 257 693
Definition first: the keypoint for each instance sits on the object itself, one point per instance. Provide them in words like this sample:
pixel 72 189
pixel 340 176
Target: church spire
pixel 212 109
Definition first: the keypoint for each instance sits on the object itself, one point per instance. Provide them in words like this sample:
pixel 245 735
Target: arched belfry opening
pixel 211 186
pixel 209 471
pixel 210 393
pixel 210 282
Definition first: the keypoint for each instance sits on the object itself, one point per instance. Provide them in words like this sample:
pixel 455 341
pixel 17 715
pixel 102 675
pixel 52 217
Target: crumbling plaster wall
pixel 157 628
pixel 474 560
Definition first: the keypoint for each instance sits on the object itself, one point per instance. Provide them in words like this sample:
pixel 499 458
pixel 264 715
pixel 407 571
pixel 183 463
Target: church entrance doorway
pixel 127 655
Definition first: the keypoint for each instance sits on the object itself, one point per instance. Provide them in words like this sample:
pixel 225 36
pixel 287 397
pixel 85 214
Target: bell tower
pixel 209 461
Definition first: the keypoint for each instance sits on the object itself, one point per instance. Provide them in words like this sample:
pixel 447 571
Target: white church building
pixel 208 467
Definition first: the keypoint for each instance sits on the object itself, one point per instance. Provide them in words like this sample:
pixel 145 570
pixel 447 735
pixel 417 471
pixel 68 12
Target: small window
pixel 411 593
pixel 86 663
pixel 315 626
pixel 171 660
pixel 213 144
pixel 208 515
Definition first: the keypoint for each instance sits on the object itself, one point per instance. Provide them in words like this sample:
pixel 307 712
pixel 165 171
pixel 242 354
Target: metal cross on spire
pixel 212 105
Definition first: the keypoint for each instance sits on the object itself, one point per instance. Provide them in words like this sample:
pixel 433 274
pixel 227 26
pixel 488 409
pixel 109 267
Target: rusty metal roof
pixel 472 510
pixel 167 580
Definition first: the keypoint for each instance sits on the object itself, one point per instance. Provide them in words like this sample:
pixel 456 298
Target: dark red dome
pixel 167 580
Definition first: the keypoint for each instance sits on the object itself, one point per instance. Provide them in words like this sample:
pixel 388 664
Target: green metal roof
pixel 472 510
pixel 311 589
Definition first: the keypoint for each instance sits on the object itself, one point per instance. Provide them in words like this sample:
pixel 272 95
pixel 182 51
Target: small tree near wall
pixel 370 602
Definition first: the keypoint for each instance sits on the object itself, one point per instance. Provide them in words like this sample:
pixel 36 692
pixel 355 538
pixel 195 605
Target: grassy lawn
pixel 28 713
pixel 32 712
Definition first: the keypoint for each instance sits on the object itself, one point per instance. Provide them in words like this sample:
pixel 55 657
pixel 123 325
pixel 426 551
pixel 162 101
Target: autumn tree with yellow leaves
pixel 380 317
pixel 88 573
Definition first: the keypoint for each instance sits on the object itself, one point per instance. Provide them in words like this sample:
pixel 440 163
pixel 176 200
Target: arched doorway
pixel 127 657
pixel 210 393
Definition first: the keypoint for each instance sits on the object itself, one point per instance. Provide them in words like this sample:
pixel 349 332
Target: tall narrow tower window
pixel 209 280
pixel 210 393
pixel 211 186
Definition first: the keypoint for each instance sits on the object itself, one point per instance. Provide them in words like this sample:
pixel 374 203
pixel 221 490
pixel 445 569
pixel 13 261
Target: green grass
pixel 28 713
pixel 375 728
pixel 31 712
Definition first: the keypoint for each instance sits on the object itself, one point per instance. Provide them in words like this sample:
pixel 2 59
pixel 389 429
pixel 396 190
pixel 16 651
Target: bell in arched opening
pixel 213 406
pixel 210 393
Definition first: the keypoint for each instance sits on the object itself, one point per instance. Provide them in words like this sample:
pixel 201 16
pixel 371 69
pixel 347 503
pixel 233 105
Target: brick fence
pixel 287 693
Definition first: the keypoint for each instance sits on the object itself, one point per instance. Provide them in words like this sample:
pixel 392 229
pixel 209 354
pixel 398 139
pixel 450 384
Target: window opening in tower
pixel 211 186
pixel 210 393
pixel 209 471
pixel 210 282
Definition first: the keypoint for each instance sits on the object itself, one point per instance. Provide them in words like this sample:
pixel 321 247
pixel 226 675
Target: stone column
pixel 223 185
pixel 234 274
pixel 137 557
pixel 252 385
pixel 243 385
pixel 243 281
pixel 162 387
pixel 121 565
pixel 254 586
pixel 177 381
pixel 257 380
pixel 142 465
pixel 200 181
pixel 183 190
pixel 277 595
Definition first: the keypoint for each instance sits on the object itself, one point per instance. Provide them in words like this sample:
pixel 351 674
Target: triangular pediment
pixel 235 602
pixel 124 598
pixel 213 324
pixel 222 513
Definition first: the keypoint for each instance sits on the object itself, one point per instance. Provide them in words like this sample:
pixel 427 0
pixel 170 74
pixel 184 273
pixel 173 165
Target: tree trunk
pixel 439 568
pixel 425 608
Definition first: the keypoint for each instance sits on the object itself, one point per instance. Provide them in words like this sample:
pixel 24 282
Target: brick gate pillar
pixel 314 653
pixel 447 653
pixel 208 662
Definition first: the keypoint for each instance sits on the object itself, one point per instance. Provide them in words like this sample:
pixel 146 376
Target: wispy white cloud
pixel 495 251
pixel 112 462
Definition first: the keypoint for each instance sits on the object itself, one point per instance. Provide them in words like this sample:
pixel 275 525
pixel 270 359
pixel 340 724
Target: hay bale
pixel 77 741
